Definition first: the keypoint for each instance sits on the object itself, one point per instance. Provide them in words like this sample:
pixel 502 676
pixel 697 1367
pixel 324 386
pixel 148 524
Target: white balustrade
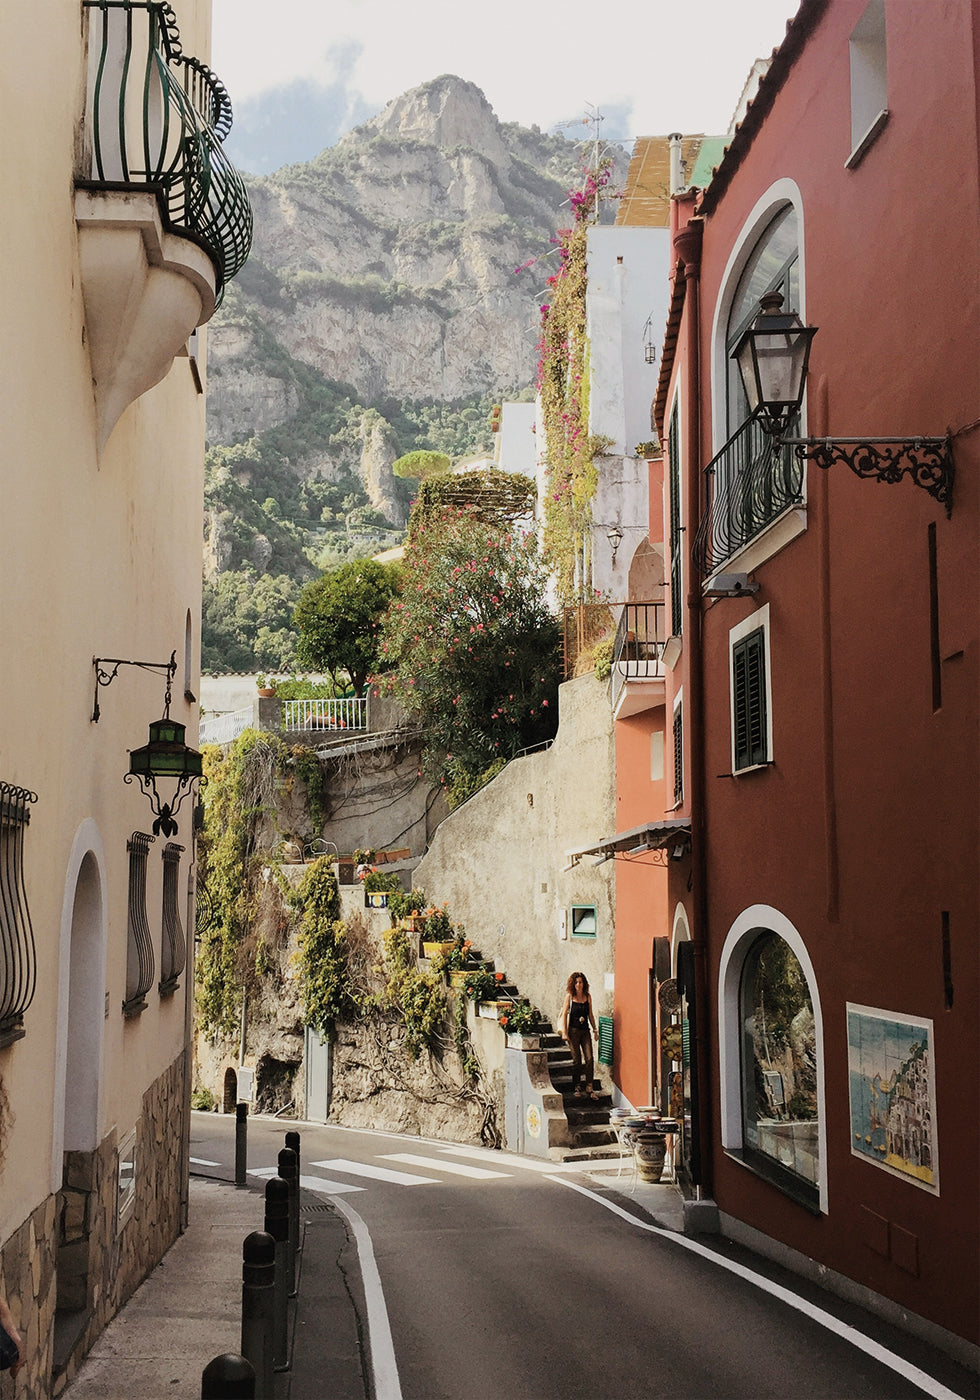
pixel 335 715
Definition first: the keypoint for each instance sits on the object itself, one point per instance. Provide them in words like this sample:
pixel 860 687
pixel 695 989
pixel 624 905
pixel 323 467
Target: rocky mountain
pixel 379 312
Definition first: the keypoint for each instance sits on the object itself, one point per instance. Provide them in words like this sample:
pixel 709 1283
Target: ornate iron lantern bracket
pixel 927 460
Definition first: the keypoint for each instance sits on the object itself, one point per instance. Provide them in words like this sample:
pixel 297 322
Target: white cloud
pixel 653 66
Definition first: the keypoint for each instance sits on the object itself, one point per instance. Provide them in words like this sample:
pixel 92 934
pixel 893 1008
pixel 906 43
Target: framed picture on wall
pixel 892 1086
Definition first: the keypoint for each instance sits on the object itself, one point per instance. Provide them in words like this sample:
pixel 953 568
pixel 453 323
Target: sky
pixel 302 72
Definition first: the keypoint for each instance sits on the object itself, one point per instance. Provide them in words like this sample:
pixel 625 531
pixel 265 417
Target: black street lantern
pixel 773 356
pixel 165 756
pixel 772 359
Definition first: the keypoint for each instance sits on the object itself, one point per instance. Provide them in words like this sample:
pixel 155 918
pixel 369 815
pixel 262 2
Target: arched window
pixel 779 1059
pixel 773 266
pixel 771 1074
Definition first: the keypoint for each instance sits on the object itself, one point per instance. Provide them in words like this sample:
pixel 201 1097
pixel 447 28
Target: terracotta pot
pixel 267 693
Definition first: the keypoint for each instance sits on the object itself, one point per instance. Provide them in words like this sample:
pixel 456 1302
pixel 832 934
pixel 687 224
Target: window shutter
pixel 678 755
pixel 749 700
pixel 674 462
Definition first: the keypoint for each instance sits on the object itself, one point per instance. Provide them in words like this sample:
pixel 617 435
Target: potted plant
pixel 405 908
pixel 378 887
pixel 265 690
pixel 438 933
pixel 481 985
pixel 519 1020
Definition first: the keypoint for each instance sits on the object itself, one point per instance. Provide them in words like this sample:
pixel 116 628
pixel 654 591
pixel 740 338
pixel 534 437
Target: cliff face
pixel 387 263
pixel 379 312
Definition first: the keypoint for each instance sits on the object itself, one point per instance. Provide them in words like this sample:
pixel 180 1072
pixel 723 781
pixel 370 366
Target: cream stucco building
pixel 121 222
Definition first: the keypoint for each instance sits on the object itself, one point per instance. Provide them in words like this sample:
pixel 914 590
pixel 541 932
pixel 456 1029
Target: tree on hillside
pixel 339 618
pixel 421 465
pixel 472 647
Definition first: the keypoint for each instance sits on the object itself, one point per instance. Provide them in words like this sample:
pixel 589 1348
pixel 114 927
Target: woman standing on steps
pixel 576 1018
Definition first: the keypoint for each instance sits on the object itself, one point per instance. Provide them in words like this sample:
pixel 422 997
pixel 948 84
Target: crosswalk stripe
pixel 309 1183
pixel 203 1162
pixel 341 1164
pixel 541 1165
pixel 438 1164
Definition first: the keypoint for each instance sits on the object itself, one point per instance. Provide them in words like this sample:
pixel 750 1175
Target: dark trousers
pixel 580 1042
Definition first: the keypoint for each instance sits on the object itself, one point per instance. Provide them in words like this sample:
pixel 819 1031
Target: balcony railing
pixel 638 649
pixel 337 715
pixel 747 486
pixel 157 118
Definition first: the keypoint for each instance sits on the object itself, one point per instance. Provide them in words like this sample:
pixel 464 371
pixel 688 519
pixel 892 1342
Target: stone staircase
pixel 589 1132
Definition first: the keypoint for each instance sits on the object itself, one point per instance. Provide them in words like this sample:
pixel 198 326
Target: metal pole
pixel 289 1171
pixel 277 1225
pixel 228 1377
pixel 258 1302
pixel 241 1142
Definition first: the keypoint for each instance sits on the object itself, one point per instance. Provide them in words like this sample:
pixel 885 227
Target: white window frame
pixel 792 523
pixel 754 921
pixel 868 54
pixel 753 623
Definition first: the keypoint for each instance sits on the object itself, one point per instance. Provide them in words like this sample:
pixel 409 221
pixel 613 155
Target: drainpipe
pixel 687 245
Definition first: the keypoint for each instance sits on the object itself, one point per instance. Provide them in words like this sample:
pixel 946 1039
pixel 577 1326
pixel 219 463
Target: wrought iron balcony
pixel 748 485
pixel 638 649
pixel 156 119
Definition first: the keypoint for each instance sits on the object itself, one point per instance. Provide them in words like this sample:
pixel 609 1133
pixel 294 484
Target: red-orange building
pixel 821 686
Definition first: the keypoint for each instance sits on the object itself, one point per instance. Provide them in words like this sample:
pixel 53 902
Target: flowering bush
pixel 438 926
pixel 519 1018
pixel 473 649
pixel 481 985
pixel 563 386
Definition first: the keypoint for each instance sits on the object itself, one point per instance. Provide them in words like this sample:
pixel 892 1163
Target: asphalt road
pixel 511 1279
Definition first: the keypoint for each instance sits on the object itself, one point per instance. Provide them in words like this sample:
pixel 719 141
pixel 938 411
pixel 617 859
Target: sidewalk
pixel 189 1309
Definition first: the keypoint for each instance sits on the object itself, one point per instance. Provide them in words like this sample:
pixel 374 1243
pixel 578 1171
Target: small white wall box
pixel 246 1084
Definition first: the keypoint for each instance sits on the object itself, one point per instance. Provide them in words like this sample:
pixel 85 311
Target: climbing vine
pixel 563 388
pixel 419 997
pixel 239 793
pixel 327 991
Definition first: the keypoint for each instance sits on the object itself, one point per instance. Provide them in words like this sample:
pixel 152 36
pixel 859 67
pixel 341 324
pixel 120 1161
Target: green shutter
pixel 678 755
pixel 749 700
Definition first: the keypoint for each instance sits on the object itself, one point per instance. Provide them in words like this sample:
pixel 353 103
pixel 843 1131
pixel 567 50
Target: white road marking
pixel 201 1162
pixel 381 1348
pixel 926 1383
pixel 437 1164
pixel 541 1165
pixel 309 1183
pixel 341 1164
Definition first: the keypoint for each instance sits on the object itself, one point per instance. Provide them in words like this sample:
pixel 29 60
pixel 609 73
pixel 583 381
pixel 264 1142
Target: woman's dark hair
pixel 570 985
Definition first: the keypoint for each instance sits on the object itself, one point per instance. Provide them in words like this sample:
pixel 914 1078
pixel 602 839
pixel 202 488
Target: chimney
pixel 676 163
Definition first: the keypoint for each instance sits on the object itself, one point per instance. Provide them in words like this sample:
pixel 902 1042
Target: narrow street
pixel 503 1276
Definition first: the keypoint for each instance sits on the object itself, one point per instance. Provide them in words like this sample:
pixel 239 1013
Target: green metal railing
pixel 156 118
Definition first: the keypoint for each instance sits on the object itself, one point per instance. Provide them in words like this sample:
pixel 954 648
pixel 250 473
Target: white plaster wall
pixel 99 557
pixel 627 284
pixel 499 860
pixel 517 444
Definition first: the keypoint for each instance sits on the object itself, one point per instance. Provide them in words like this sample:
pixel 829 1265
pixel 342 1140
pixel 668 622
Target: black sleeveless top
pixel 578 1015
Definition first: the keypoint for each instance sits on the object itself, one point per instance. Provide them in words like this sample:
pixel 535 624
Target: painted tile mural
pixel 893 1093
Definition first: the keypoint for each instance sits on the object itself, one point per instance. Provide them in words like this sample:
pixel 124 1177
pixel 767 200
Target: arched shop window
pixel 779 1068
pixel 773 266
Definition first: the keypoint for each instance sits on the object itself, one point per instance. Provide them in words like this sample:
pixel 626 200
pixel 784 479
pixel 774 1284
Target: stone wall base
pixel 67 1270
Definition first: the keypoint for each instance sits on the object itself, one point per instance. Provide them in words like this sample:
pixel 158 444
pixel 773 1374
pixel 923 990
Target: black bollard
pixel 289 1171
pixel 258 1303
pixel 292 1140
pixel 241 1142
pixel 277 1225
pixel 228 1377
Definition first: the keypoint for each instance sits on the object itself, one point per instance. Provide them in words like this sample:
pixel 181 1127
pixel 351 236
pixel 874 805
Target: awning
pixel 673 833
